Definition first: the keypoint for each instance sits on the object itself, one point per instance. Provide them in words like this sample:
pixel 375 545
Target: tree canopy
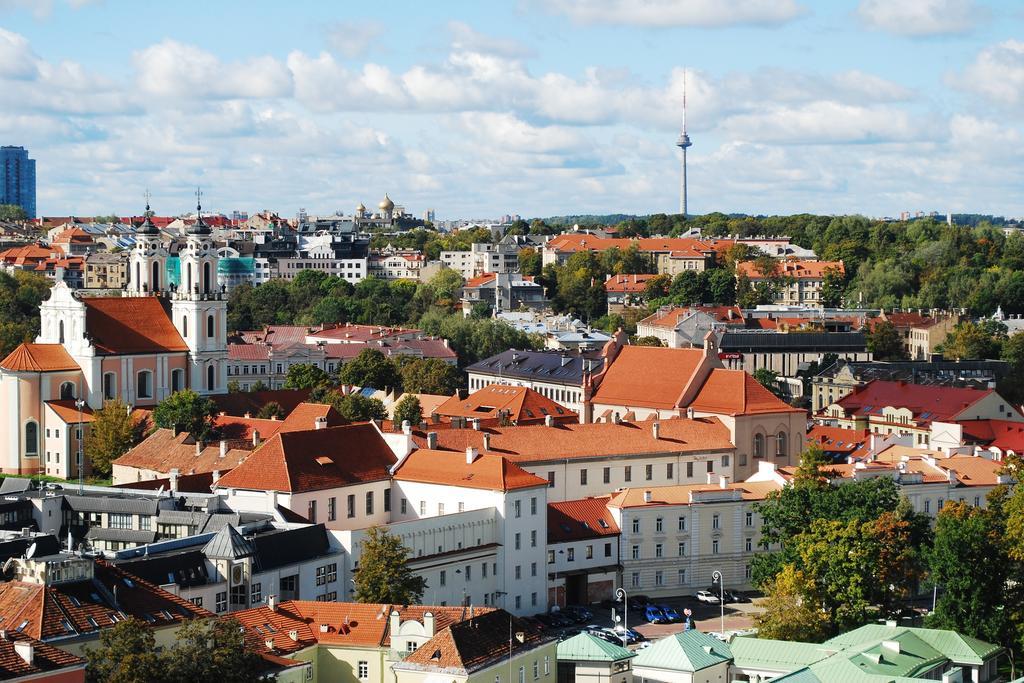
pixel 408 409
pixel 186 411
pixel 112 432
pixel 384 575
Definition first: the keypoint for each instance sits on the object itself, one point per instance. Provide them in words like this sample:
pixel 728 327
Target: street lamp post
pixel 717 576
pixel 620 594
pixel 80 404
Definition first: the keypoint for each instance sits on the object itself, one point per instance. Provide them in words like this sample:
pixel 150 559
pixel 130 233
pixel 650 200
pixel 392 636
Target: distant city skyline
pixel 536 108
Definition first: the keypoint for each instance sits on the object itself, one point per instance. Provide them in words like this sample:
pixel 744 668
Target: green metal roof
pixel 584 647
pixel 685 651
pixel 956 647
pixel 778 655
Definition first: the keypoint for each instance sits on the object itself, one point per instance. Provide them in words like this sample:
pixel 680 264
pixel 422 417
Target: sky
pixel 536 107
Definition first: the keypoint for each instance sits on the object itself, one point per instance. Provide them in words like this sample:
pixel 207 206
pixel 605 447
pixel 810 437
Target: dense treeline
pixel 20 295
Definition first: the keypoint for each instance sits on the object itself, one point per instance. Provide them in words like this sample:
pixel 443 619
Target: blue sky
pixel 537 107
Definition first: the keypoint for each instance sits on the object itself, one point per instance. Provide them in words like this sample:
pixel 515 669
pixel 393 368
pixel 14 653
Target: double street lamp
pixel 620 594
pixel 717 576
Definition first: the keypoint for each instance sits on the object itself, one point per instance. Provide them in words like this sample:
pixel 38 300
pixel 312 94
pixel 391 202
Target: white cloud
pixel 663 13
pixel 465 38
pixel 997 73
pixel 16 57
pixel 920 17
pixel 353 39
pixel 173 69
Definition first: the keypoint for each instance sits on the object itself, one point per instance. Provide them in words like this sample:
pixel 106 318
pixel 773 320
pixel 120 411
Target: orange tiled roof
pixel 29 357
pixel 314 460
pixel 678 247
pixel 648 376
pixel 628 283
pixel 520 404
pixel 305 415
pixel 28 254
pixel 854 443
pixel 487 472
pixel 45 658
pixel 736 392
pixel 797 269
pixel 538 443
pixel 576 520
pixel 928 403
pixel 67 411
pixel 670 318
pixel 470 645
pixel 121 325
pixel 681 495
pixel 162 451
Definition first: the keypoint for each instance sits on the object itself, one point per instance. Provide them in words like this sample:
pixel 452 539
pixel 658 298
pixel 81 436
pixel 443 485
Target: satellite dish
pixel 30 552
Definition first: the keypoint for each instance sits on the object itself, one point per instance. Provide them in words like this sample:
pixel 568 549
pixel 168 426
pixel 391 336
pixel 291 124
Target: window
pixel 758 445
pixel 522 674
pixel 364 670
pixel 682 548
pixel 536 665
pixel 714 547
pixel 327 574
pixel 518 540
pixel 636 525
pixel 256 594
pixel 387 500
pixel 350 504
pixel 221 602
pixel 109 385
pixel 669 470
pixel 31 438
pixel 533 505
pixel 649 472
pixel 689 470
pixel 423 508
pixel 583 477
pixel 725 460
pixel 67 391
pixel 551 479
pixel 145 522
pixel 469 573
pixel 681 576
pixel 443 578
pixel 636 552
pixel 440 509
pixel 209 326
pixel 607 549
pixel 119 521
pixel 462 506
pixel 211 377
pixel 144 384
pixel 177 379
pixel 519 602
pixel 198 602
pixel 628 473
pixel 547 665
pixel 533 538
pixel 287 584
pixel 749 544
pixel 927 506
pixel 781 445
pixel 716 521
pixel 658 578
pixel 606 475
pixel 517 509
pixel 749 519
pixel 658 550
pixel 748 571
pixel 483 569
pixel 682 523
pixel 711 465
pixel 635 580
pixel 551 557
pixel 570 555
pixel 311 511
pixel 404 505
pixel 659 525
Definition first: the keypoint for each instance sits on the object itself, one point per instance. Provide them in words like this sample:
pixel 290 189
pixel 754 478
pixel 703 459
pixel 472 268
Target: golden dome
pixel 386 204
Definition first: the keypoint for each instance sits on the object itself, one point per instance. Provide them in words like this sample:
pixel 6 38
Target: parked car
pixel 562 619
pixel 545 619
pixel 655 615
pixel 638 603
pixel 603 633
pixel 733 596
pixel 578 612
pixel 670 614
pixel 708 597
pixel 632 636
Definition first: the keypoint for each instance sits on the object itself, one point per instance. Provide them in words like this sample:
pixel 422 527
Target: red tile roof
pixel 360 334
pixel 305 415
pixel 683 494
pixel 234 428
pixel 45 659
pixel 123 325
pixel 648 376
pixel 799 270
pixel 186 483
pixel 39 358
pixel 26 255
pixel 853 443
pixel 241 402
pixel 314 460
pixel 471 645
pixel 736 392
pixel 1005 435
pixel 520 404
pixel 628 283
pixel 487 472
pixel 162 451
pixel 577 520
pixel 67 411
pixel 671 317
pixel 683 247
pixel 537 443
pixel 928 403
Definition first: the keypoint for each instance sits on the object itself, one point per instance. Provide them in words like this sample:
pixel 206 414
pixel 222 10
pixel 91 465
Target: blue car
pixel 655 615
pixel 670 614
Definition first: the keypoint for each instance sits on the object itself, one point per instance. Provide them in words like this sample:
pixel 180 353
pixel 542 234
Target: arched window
pixel 144 384
pixel 209 325
pixel 177 379
pixel 31 438
pixel 781 445
pixel 758 445
pixel 109 386
pixel 206 278
pixel 67 391
pixel 60 332
pixel 188 277
pixel 156 277
pixel 184 326
pixel 210 378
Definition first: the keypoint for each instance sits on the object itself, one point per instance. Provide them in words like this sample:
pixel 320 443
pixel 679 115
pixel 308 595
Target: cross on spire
pixel 199 198
pixel 147 196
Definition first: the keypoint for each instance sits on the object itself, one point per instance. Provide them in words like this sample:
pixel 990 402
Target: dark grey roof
pixel 183 568
pixel 922 371
pixel 135 506
pixel 46 544
pixel 15 485
pixel 128 535
pixel 228 544
pixel 542 366
pixel 290 546
pixel 768 342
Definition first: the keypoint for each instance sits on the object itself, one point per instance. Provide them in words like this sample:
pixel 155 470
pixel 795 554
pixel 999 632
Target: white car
pixel 708 597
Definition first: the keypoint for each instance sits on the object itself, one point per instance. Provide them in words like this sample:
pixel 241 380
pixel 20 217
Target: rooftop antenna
pixel 683 142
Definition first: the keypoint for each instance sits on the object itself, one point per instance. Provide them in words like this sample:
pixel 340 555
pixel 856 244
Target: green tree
pixel 648 341
pixel 408 408
pixel 832 287
pixel 370 368
pixel 212 650
pixel 969 341
pixel 271 410
pixel 127 654
pixel 112 432
pixel 305 376
pixel 358 408
pixel 530 261
pixel 1013 351
pixel 430 376
pixel 12 213
pixel 384 575
pixel 884 342
pixel 446 286
pixel 767 378
pixel 657 287
pixel 791 611
pixel 186 411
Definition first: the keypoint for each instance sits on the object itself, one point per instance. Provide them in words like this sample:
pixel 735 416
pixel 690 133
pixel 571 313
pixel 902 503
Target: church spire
pixel 199 227
pixel 147 227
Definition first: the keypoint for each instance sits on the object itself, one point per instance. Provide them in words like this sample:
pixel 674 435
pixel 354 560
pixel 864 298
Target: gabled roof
pixel 794 268
pixel 314 460
pixel 228 544
pixel 470 645
pixel 45 658
pixel 928 403
pixel 305 415
pixel 669 318
pixel 488 472
pixel 239 403
pixel 39 358
pixel 123 325
pixel 648 376
pixel 584 647
pixel 853 443
pixel 685 494
pixel 628 283
pixel 684 651
pixel 736 392
pixel 519 404
pixel 577 520
pixel 958 648
pixel 163 451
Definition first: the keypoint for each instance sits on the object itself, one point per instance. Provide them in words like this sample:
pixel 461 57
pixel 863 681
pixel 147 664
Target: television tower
pixel 683 143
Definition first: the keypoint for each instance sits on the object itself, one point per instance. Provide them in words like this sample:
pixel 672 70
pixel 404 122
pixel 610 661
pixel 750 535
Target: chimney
pixel 25 650
pixel 549 420
pixel 487 441
pixel 656 430
pixel 689 413
pixel 247 415
pixel 320 422
pixel 476 424
pixel 406 427
pixel 199 448
pixel 428 624
pixel 394 622
pixel 471 454
pixel 648 496
pixel 271 602
pixel 723 482
pixel 216 477
pixel 255 438
pixel 223 448
pixel 711 478
pixel 174 480
pixel 432 440
pixel 269 643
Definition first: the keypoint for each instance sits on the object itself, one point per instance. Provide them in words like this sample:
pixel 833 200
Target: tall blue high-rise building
pixel 18 179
